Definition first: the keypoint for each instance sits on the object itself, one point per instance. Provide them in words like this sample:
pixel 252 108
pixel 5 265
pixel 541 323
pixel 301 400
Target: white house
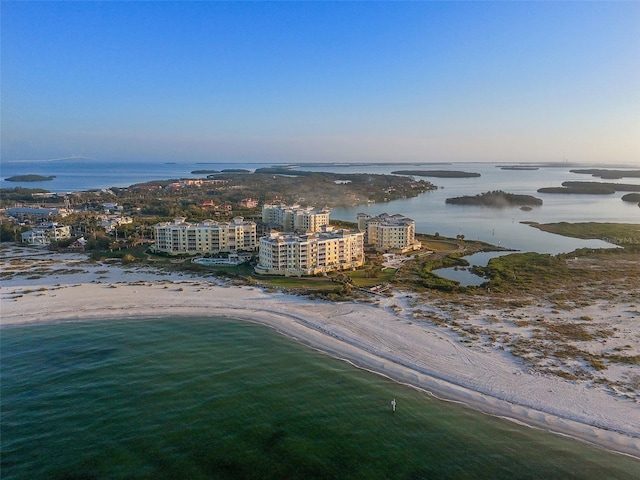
pixel 46 233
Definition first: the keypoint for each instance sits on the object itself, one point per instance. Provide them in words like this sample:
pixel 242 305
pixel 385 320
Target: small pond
pixel 463 275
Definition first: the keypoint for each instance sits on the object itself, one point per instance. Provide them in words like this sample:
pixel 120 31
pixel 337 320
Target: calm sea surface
pixel 211 398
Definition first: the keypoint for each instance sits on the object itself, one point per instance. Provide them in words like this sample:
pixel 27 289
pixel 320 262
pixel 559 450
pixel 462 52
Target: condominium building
pixel 295 217
pixel 311 253
pixel 209 236
pixel 389 232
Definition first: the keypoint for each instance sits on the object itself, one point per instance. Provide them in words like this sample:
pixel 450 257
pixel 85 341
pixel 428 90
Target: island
pixel 437 173
pixel 30 178
pixel 632 197
pixel 578 190
pixel 204 172
pixel 608 174
pixel 591 188
pixel 497 199
pixel 518 167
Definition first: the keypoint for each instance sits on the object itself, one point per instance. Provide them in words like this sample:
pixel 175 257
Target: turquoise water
pixel 220 399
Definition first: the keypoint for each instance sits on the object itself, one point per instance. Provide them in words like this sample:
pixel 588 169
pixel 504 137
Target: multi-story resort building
pixel 209 236
pixel 389 232
pixel 295 217
pixel 310 253
pixel 46 233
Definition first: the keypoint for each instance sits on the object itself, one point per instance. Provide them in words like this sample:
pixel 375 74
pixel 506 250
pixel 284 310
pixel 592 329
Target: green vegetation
pixel 437 173
pixel 603 190
pixel 10 232
pixel 608 173
pixel 513 272
pixel 9 196
pixel 624 234
pixel 438 244
pixel 631 197
pixel 497 199
pixel 152 202
pixel 30 178
pixel 314 188
pixel 566 277
pixel 591 188
pixel 269 185
pixel 417 275
pixel 283 171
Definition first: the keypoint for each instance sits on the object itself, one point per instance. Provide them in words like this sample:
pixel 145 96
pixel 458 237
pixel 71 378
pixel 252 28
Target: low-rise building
pixel 112 207
pixel 389 232
pixel 110 223
pixel 181 237
pixel 37 212
pixel 311 253
pixel 46 233
pixel 248 203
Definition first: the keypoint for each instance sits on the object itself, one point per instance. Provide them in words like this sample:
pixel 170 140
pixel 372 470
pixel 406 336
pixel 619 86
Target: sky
pixel 332 81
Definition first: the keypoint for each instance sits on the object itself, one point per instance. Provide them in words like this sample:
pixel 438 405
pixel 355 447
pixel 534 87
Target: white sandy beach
pixel 385 336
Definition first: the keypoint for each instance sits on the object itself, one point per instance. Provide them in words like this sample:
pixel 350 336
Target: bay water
pixel 214 398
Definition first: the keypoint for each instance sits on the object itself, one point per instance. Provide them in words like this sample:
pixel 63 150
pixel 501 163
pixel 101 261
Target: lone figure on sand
pixel 393 404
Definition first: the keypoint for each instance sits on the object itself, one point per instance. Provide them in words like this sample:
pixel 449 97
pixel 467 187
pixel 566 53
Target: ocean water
pixel 213 398
pixel 77 174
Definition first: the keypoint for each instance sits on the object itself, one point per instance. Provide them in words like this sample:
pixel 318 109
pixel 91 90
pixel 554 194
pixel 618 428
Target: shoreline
pixel 380 337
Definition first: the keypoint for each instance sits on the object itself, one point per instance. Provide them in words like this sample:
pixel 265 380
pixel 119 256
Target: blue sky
pixel 327 81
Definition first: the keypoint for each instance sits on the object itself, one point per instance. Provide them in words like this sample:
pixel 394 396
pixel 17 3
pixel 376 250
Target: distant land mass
pixel 608 174
pixel 578 190
pixel 204 172
pixel 518 167
pixel 632 197
pixel 367 164
pixel 437 173
pixel 591 188
pixel 30 178
pixel 497 198
pixel 283 171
